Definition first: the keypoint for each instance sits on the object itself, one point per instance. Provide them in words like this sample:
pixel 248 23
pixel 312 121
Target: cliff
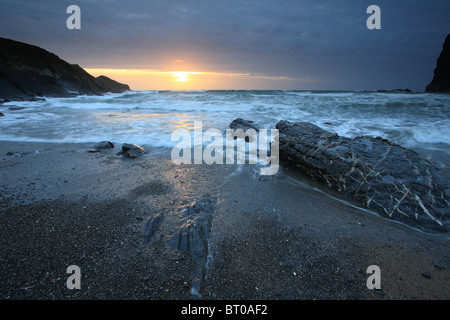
pixel 27 71
pixel 441 79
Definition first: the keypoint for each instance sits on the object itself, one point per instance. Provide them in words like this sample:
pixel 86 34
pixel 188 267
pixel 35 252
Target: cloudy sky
pixel 240 44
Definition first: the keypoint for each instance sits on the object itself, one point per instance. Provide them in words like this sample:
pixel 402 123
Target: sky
pixel 240 44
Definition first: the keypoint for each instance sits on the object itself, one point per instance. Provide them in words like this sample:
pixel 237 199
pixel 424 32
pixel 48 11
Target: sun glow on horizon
pixel 151 79
pixel 181 76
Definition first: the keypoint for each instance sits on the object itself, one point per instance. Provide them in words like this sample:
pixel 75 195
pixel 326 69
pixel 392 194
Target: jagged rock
pixel 380 174
pixel 441 78
pixel 193 238
pixel 131 150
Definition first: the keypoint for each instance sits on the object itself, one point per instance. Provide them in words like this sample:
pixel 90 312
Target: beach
pixel 216 158
pixel 147 228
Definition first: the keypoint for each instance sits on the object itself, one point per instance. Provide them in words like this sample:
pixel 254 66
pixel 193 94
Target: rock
pixel 195 226
pixel 240 123
pixel 383 176
pixel 14 108
pixel 1 114
pixel 245 125
pixel 27 72
pixel 20 154
pixel 112 85
pixel 395 90
pixel 441 78
pixel 131 150
pixel 102 145
pixel 195 229
pixel 403 90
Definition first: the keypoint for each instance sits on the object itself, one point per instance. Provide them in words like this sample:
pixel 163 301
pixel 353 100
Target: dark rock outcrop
pixel 441 78
pixel 383 176
pixel 102 145
pixel 132 150
pixel 244 125
pixel 112 85
pixel 395 90
pixel 240 123
pixel 195 230
pixel 27 71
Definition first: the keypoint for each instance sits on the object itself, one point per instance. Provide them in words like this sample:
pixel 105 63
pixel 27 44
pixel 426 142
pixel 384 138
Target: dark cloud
pixel 322 40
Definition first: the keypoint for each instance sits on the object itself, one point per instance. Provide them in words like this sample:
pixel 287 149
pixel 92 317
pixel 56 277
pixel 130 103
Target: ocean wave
pixel 414 120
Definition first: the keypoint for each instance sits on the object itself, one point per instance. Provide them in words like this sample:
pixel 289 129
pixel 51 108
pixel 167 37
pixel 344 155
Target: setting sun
pixel 181 76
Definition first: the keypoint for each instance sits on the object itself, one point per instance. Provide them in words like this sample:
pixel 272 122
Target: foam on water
pixel 419 121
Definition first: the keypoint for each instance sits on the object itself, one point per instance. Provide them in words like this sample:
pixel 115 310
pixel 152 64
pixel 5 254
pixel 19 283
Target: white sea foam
pixel 419 121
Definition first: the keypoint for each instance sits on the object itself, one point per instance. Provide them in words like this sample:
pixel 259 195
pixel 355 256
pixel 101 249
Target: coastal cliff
pixel 441 78
pixel 27 72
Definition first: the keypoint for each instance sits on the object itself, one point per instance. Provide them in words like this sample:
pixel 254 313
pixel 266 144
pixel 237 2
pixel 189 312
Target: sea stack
pixel 441 79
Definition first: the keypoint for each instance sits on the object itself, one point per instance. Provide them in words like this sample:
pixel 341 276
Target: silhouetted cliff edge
pixel 441 79
pixel 27 72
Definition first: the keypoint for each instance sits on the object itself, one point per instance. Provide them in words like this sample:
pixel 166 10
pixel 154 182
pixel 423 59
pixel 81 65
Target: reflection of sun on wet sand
pixel 147 228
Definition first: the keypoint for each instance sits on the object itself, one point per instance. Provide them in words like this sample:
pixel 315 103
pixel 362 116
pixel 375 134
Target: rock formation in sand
pixel 380 174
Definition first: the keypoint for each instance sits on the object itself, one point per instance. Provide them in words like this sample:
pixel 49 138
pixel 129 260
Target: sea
pixel 418 121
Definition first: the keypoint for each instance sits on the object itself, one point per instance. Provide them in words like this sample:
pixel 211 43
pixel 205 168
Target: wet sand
pixel 146 228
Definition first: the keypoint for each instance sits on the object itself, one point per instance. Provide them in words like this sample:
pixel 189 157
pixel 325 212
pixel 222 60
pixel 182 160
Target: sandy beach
pixel 146 228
